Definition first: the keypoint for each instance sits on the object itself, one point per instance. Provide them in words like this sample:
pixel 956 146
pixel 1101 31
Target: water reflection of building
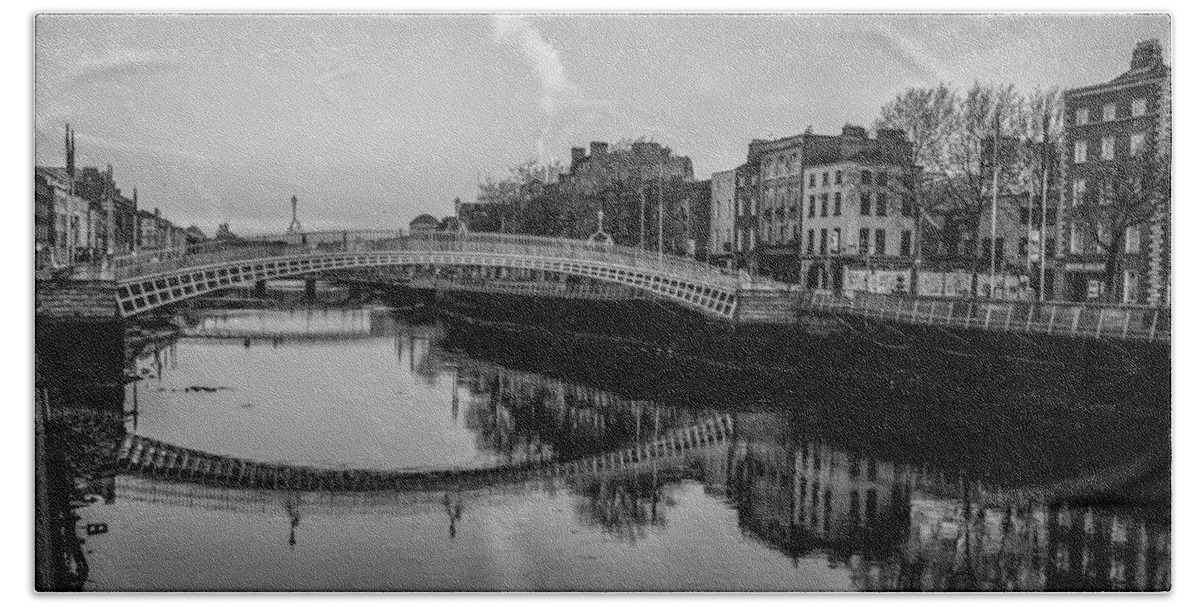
pixel 799 495
pixel 898 527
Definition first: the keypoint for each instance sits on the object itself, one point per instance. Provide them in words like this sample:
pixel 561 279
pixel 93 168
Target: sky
pixel 371 120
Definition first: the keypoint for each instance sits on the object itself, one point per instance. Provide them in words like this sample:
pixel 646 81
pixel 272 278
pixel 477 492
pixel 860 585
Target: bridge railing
pixel 268 246
pixel 1127 321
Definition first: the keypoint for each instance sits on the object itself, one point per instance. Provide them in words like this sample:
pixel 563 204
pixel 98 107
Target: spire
pixel 295 225
pixel 70 144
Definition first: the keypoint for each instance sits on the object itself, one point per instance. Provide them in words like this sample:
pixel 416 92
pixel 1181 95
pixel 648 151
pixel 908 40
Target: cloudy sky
pixel 372 119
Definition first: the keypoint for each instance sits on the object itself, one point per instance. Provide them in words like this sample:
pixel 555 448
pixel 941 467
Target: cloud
pixel 518 31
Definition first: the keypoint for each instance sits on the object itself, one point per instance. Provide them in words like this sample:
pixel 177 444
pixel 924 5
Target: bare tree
pixel 925 115
pixel 1135 194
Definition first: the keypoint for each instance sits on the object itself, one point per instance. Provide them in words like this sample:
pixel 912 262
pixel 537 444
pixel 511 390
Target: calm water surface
pixel 771 505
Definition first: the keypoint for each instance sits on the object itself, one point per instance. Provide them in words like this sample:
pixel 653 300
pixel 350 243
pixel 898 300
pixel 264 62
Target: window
pixel 1108 147
pixel 824 241
pixel 812 205
pixel 812 180
pixel 811 240
pixel 825 204
pixel 1129 293
pixel 1078 191
pixel 1023 215
pixel 1081 116
pixel 1137 142
pixel 1133 239
pixel 1051 217
pixel 825 178
pixel 836 245
pixel 864 206
pixel 837 203
pixel 1138 108
pixel 866 178
pixel 837 177
pixel 1110 111
pixel 881 179
pixel 905 242
pixel 864 240
pixel 880 242
pixel 1102 238
pixel 906 207
pixel 1023 246
pixel 792 165
pixel 795 231
pixel 881 204
pixel 1081 151
pixel 1050 252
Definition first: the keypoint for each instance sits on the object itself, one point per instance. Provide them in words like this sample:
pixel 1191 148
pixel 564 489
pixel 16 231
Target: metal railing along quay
pixel 1130 322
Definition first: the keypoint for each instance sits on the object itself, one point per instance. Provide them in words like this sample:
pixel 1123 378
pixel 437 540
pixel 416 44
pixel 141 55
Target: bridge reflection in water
pixel 624 463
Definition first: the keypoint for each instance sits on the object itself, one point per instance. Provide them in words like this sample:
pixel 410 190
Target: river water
pixel 770 503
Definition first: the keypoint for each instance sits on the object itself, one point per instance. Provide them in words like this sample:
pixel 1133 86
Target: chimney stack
pixel 599 148
pixel 1146 54
pixel 578 155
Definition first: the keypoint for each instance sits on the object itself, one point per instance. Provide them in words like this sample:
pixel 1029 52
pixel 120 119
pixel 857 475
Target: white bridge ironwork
pixel 149 280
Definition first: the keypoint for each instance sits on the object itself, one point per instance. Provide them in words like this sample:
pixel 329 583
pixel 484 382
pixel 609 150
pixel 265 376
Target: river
pixel 771 494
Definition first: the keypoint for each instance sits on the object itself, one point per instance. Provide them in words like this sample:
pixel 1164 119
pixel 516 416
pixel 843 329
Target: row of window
pixel 1108 147
pixel 1133 239
pixel 1137 107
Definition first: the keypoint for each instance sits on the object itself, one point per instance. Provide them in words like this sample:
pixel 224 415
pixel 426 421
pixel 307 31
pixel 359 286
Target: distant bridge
pixel 146 281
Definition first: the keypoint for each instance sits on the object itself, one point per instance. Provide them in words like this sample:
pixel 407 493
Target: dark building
pixel 1107 124
pixel 423 224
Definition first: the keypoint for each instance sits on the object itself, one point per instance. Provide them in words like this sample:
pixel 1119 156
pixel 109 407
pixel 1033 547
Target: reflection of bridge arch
pixel 149 457
pixel 148 281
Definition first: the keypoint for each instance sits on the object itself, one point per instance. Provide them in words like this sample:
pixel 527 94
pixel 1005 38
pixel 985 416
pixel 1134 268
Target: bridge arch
pixel 149 281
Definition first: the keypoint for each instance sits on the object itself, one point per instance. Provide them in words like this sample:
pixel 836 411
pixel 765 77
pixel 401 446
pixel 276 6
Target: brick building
pixel 1106 124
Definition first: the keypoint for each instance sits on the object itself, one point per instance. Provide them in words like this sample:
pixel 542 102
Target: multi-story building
pixel 81 215
pixel 810 222
pixel 692 216
pixel 722 214
pixel 1107 124
pixel 745 220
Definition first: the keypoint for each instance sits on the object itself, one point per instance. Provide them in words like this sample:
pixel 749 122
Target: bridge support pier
pixel 310 288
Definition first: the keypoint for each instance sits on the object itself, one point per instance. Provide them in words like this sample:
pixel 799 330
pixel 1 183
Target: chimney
pixel 894 145
pixel 599 148
pixel 156 212
pixel 578 155
pixel 854 131
pixel 1146 54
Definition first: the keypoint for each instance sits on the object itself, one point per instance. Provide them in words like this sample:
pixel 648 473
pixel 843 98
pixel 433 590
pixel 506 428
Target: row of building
pixel 80 215
pixel 837 212
pixel 833 212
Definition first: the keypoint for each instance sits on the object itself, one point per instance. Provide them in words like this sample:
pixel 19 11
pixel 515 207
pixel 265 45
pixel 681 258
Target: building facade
pixel 811 215
pixel 82 216
pixel 1107 124
pixel 722 214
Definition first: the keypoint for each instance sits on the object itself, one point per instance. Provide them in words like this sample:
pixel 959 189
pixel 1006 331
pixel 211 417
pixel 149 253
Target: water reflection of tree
pixel 627 508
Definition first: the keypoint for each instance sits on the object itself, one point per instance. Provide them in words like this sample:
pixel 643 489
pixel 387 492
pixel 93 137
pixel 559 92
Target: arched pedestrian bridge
pixel 149 280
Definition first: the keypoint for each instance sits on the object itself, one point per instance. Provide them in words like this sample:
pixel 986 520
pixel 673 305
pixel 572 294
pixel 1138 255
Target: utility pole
pixel 660 212
pixel 995 202
pixel 642 215
pixel 1046 149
